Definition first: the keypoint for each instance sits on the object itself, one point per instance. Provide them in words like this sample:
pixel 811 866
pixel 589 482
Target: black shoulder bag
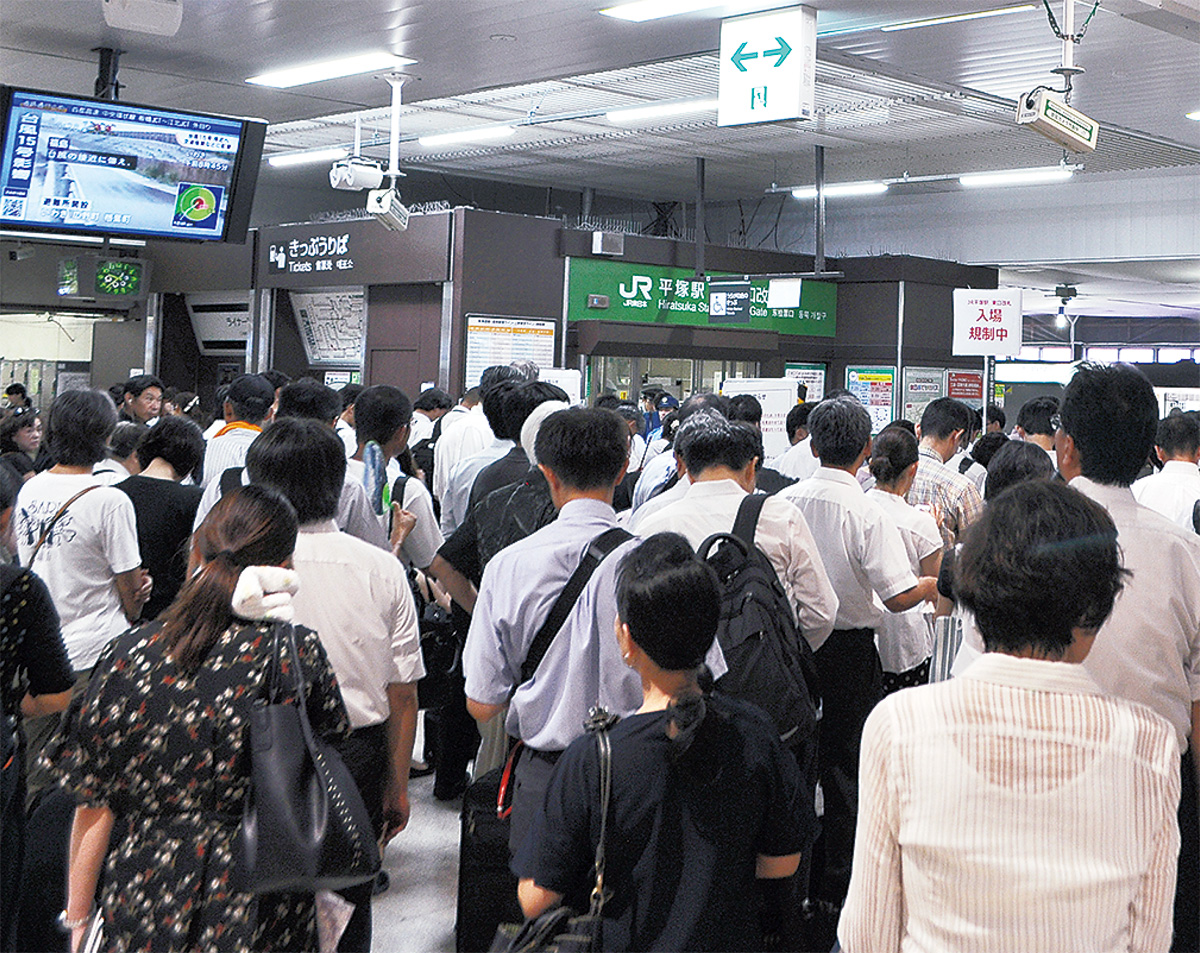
pixel 562 930
pixel 305 826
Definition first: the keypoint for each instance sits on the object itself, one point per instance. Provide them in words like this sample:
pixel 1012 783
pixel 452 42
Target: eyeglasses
pixel 1056 423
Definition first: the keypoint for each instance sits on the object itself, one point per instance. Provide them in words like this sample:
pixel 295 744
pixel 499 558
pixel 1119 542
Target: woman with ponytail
pixel 705 823
pixel 156 749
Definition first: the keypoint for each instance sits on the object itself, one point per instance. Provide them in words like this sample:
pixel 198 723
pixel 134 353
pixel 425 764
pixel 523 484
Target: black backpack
pixel 770 663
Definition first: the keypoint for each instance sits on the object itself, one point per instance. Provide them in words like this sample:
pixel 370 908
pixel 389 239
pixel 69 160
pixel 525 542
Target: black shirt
pixel 30 642
pixel 500 473
pixel 683 835
pixel 164 511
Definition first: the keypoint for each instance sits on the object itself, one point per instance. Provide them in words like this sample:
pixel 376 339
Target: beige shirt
pixel 782 534
pixel 1015 809
pixel 357 599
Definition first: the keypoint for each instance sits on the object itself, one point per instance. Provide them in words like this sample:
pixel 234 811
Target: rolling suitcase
pixel 487 889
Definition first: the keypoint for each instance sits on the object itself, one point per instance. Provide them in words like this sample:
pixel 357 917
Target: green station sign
pixel 603 290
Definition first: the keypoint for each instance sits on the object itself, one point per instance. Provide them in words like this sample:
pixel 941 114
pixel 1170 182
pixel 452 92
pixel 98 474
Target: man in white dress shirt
pixel 357 598
pixel 1149 649
pixel 1175 489
pixel 798 461
pixel 865 558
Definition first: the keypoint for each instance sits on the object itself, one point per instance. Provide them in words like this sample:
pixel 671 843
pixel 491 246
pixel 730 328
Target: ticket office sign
pixel 987 323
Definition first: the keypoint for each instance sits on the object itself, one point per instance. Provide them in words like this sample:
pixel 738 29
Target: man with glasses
pixel 944 425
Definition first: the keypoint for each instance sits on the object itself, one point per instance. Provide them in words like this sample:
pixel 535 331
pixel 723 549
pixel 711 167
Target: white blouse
pixel 1014 809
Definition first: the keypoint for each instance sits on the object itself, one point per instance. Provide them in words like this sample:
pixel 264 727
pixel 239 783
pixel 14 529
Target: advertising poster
pixel 811 375
pixel 922 386
pixel 875 387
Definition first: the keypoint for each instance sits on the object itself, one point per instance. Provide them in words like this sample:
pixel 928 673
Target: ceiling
pixel 924 102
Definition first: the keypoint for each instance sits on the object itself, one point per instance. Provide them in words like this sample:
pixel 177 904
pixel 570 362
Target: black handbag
pixel 305 826
pixel 561 930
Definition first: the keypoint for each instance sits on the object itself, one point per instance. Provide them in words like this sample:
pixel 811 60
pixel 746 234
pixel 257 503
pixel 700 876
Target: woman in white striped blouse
pixel 1017 808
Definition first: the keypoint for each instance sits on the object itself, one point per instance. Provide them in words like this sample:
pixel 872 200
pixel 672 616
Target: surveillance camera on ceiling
pixel 355 174
pixel 387 208
pixel 21 252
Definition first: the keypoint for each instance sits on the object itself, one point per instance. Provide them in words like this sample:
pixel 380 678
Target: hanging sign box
pixel 987 322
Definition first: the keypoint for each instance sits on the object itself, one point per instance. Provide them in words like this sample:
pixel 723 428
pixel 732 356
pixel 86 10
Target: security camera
pixel 355 174
pixel 387 208
pixel 21 252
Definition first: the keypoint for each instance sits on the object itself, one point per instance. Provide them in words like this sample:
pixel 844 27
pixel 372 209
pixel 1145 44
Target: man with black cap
pixel 247 407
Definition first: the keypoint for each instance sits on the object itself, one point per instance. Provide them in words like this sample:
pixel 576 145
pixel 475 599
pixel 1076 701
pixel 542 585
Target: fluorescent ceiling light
pixel 1194 115
pixel 809 192
pixel 958 18
pixel 330 69
pixel 304 158
pixel 983 180
pixel 636 114
pixel 478 134
pixel 641 10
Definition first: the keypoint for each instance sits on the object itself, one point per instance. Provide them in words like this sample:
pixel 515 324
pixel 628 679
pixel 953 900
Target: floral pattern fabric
pixel 169 753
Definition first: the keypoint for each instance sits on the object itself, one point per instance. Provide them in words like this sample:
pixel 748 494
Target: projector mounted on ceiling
pixel 159 17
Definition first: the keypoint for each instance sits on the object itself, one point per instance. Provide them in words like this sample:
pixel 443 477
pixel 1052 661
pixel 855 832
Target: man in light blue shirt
pixel 583 454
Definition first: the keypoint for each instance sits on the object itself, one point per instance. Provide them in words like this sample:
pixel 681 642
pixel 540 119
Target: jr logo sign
pixel 639 284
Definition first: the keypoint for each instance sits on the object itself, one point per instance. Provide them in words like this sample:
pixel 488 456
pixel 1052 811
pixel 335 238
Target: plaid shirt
pixel 955 496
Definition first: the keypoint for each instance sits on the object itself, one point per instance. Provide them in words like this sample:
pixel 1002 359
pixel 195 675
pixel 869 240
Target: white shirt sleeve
pixel 120 542
pixel 807 582
pixel 406 635
pixel 425 539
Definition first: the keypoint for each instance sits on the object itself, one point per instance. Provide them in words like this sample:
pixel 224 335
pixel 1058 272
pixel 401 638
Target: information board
pixel 777 396
pixel 568 378
pixel 502 339
pixel 1169 398
pixel 332 324
pixel 811 375
pixel 875 387
pixel 966 386
pixel 987 322
pixel 922 386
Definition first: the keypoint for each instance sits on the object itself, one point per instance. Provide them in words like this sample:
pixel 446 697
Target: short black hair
pixel 349 394
pixel 1111 413
pixel 628 412
pixel 703 401
pixel 840 429
pixel 379 412
pixel 433 398
pixel 797 417
pixel 988 445
pixel 493 375
pixel 608 401
pixel 79 425
pixel 944 416
pixel 586 448
pixel 493 407
pixel 304 461
pixel 1041 561
pixel 719 442
pixel 1178 435
pixel 1034 415
pixel 126 436
pixel 309 400
pixel 16 388
pixel 278 379
pixel 1014 463
pixel 745 407
pixel 175 439
pixel 135 385
pixel 521 401
pixel 671 600
pixel 892 452
pixel 995 415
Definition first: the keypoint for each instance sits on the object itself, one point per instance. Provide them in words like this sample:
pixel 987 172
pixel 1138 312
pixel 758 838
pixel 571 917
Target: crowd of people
pixel 1044 798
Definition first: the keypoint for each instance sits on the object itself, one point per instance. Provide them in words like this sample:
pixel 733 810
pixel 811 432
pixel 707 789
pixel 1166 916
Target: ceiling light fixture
pixel 330 69
pixel 304 158
pixel 6 234
pixel 636 114
pixel 809 192
pixel 478 134
pixel 642 10
pixel 958 18
pixel 1039 176
pixel 1194 115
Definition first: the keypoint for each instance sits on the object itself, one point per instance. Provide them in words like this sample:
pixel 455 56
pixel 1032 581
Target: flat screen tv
pixel 98 167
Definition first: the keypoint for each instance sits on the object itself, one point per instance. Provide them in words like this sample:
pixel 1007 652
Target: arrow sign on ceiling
pixel 782 51
pixel 739 57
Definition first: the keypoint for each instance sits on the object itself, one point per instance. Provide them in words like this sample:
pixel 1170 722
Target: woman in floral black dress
pixel 158 756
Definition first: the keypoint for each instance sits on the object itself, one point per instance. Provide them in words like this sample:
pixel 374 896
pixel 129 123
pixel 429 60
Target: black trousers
pixel 531 778
pixel 365 753
pixel 1187 886
pixel 851 685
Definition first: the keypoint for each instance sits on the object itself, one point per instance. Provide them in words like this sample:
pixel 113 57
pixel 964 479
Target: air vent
pixel 608 243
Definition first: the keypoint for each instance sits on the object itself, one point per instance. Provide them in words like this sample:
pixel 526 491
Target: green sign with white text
pixel 655 294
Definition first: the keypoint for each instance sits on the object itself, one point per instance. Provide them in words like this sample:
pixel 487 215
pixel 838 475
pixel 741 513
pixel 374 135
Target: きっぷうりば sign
pixel 987 322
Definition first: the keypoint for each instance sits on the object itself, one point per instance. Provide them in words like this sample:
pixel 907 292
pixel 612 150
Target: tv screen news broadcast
pixel 99 167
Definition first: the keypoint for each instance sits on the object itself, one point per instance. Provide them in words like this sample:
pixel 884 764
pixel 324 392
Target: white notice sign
pixel 497 339
pixel 768 67
pixel 777 396
pixel 987 322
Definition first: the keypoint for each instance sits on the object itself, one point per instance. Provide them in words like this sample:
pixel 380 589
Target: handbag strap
pixel 600 722
pixel 599 547
pixel 37 548
pixel 746 523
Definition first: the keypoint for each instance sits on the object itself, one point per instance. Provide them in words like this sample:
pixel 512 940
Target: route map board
pixel 499 339
pixel 332 325
pixel 875 387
